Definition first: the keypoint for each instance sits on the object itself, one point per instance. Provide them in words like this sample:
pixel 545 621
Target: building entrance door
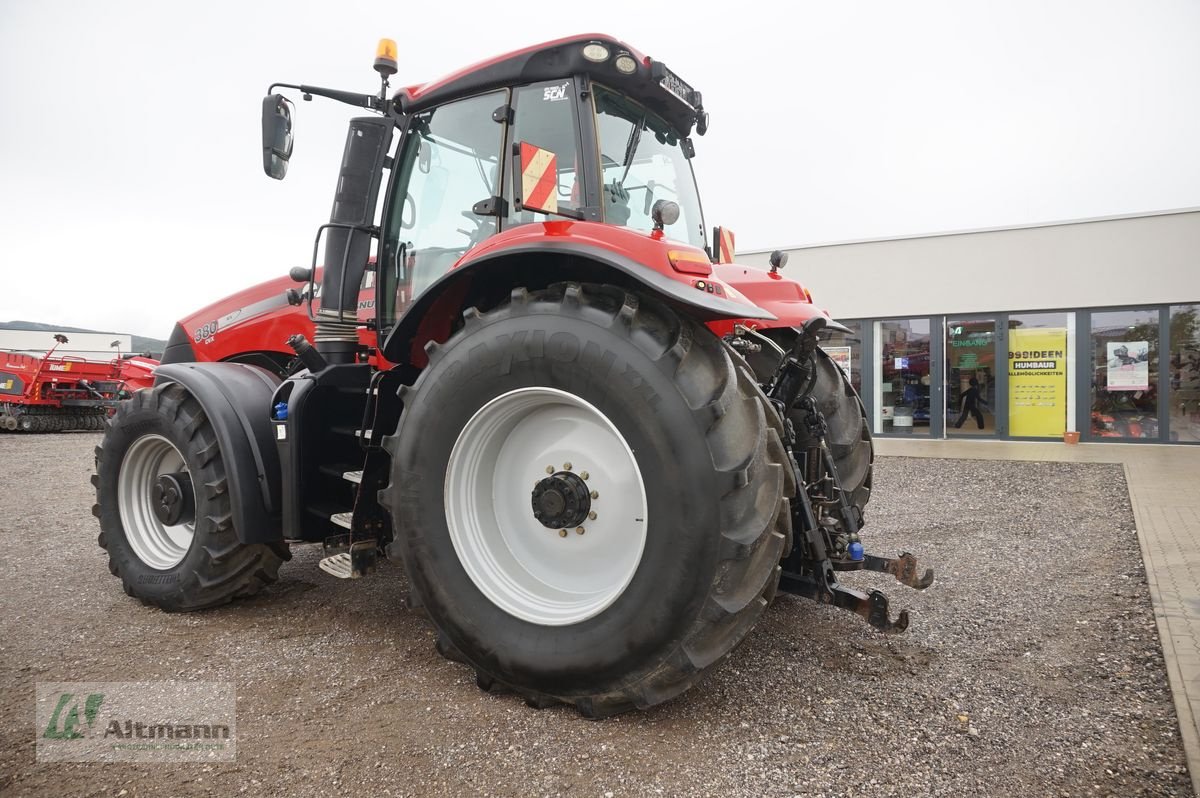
pixel 972 376
pixel 908 396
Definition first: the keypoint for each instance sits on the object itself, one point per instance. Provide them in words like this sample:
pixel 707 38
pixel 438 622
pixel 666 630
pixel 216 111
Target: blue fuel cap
pixel 856 548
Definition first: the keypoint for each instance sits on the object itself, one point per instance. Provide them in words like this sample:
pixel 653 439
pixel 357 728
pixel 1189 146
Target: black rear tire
pixel 707 446
pixel 217 567
pixel 849 436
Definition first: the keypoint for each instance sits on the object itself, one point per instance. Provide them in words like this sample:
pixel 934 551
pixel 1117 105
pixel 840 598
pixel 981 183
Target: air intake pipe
pixel 348 238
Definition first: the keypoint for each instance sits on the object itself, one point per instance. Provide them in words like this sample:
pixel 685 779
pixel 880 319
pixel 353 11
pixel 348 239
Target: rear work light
pixel 690 261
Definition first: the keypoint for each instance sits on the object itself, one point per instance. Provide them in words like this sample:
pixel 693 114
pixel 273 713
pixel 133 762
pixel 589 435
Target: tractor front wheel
pixel 164 508
pixel 589 494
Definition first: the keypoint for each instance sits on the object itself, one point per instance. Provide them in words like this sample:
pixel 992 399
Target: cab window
pixel 544 116
pixel 642 160
pixel 450 160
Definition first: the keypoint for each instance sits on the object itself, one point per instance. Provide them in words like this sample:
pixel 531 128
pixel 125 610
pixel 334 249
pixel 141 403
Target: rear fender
pixel 236 398
pixel 786 299
pixel 537 265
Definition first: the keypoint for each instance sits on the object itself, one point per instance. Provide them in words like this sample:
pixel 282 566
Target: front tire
pixel 685 475
pixel 191 558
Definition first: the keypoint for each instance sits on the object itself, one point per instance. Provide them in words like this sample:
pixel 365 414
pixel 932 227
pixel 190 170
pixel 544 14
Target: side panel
pixel 237 399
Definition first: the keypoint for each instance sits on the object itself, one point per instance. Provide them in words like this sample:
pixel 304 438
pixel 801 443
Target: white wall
pixel 91 346
pixel 1146 259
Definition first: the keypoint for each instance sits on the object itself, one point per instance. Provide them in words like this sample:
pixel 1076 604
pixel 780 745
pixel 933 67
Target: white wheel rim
pixel 524 568
pixel 157 545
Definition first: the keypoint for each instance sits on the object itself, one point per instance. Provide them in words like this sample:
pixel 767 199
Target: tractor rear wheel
pixel 590 496
pixel 848 435
pixel 164 507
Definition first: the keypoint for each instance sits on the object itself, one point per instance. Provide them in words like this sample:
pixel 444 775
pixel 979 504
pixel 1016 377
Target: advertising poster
pixel 1037 382
pixel 841 356
pixel 1128 366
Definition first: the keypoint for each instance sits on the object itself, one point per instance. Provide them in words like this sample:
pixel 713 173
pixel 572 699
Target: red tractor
pixel 56 394
pixel 597 451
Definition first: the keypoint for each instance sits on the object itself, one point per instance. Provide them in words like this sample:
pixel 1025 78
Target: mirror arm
pixel 370 101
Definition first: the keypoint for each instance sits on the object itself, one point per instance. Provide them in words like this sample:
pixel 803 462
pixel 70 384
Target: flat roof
pixel 883 239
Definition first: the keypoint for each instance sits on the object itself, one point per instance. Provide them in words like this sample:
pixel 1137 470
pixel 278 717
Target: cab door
pixel 448 167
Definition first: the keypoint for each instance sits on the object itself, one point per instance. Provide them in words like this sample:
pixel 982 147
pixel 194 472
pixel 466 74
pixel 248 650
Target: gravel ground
pixel 1032 666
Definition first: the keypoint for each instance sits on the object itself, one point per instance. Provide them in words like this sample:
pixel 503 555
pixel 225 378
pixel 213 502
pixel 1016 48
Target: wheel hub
pixel 561 500
pixel 157 502
pixel 171 497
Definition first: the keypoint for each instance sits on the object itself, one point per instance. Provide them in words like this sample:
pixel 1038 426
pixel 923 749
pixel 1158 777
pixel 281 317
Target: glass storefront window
pixel 1183 394
pixel 1037 375
pixel 970 377
pixel 1125 374
pixel 846 351
pixel 904 358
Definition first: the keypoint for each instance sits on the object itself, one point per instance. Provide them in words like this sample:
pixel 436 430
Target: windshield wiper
pixel 635 137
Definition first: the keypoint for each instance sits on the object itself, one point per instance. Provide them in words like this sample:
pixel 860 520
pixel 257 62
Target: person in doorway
pixel 970 405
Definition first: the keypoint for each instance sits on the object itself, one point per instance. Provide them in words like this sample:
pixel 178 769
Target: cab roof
pixel 554 60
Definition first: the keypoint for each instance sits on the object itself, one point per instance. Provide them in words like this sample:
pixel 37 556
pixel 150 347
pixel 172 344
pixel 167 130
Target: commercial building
pixel 86 345
pixel 1089 326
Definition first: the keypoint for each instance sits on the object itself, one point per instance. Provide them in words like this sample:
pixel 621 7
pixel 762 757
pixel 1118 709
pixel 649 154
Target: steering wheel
pixel 409 203
pixel 483 227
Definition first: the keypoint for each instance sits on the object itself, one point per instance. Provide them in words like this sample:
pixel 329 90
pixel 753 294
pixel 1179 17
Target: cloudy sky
pixel 132 193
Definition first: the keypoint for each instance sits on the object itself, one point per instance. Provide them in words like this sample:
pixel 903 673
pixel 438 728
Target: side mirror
pixel 424 156
pixel 276 135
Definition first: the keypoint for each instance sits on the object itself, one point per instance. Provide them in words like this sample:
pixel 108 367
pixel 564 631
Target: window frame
pixel 404 124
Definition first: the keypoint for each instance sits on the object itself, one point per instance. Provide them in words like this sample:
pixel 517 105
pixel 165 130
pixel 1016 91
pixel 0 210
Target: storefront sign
pixel 841 356
pixel 1037 382
pixel 1128 366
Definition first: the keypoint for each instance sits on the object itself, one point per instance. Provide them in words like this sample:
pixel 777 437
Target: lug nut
pixel 584 475
pixel 562 533
pixel 566 466
pixel 595 494
pixel 549 469
pixel 592 515
pixel 579 530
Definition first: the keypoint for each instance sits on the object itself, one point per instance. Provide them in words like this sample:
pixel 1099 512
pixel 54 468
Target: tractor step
pixel 345 471
pixel 342 519
pixel 348 559
pixel 338 565
pixel 348 430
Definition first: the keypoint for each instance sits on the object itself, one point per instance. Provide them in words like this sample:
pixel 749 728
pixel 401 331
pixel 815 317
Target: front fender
pixel 236 399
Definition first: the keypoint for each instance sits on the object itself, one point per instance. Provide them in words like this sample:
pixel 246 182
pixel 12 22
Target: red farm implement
pixel 55 394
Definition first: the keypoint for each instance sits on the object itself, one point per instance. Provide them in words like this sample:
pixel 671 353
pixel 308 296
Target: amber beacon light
pixel 386 63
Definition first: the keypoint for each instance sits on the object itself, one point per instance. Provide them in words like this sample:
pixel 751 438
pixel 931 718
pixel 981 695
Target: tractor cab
pixel 581 129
